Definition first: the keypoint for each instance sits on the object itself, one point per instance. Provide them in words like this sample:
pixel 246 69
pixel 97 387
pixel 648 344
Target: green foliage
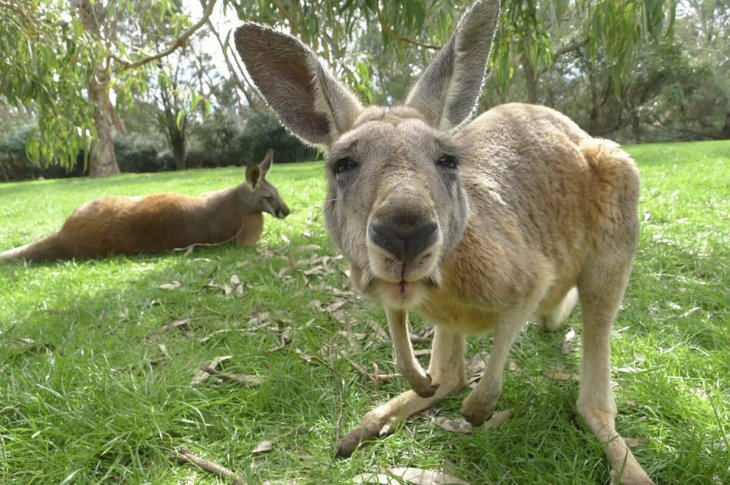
pixel 94 386
pixel 69 56
pixel 49 63
pixel 263 131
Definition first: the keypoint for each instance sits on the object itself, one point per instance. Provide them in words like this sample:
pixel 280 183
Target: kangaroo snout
pixel 282 212
pixel 404 242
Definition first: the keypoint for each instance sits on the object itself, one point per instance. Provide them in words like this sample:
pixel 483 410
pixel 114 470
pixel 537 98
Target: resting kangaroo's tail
pixel 46 249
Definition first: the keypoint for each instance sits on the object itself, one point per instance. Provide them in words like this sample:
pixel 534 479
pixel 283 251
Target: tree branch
pixel 179 42
pixel 394 35
pixel 184 454
pixel 238 80
pixel 577 44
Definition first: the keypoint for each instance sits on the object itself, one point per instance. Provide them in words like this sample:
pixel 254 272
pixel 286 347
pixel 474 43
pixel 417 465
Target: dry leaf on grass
pixel 454 425
pixel 263 447
pixel 498 418
pixel 305 356
pixel 284 340
pixel 163 349
pixel 124 314
pixel 264 253
pixel 202 340
pixel 333 307
pixel 557 375
pixel 306 248
pixel 567 341
pixel 171 286
pixel 477 363
pixel 415 476
pixel 377 330
pixel 690 311
pixel 181 324
pixel 633 442
pixel 201 374
pixel 244 380
pixel 236 285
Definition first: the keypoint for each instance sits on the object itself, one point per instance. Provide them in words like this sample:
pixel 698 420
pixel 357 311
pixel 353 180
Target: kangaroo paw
pixel 423 386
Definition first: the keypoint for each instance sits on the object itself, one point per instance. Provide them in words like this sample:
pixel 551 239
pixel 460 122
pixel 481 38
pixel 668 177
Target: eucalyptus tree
pixel 184 89
pixel 69 58
pixel 533 34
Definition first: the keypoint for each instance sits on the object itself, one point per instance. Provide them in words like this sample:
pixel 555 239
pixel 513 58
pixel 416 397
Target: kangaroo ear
pixel 449 88
pixel 295 84
pixel 267 162
pixel 253 175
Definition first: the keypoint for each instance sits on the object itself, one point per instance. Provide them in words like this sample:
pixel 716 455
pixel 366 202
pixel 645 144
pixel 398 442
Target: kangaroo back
pixel 161 222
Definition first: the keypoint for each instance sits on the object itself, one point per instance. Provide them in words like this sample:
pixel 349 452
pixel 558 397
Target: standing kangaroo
pixel 478 229
pixel 161 222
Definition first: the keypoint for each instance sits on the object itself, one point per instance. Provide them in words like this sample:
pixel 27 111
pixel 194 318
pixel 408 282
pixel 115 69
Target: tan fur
pixel 479 229
pixel 161 222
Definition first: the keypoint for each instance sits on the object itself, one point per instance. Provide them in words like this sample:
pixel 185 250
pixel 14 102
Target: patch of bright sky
pixel 224 22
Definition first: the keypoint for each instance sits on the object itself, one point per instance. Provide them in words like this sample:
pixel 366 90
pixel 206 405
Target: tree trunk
pixel 725 131
pixel 177 143
pixel 102 160
pixel 530 81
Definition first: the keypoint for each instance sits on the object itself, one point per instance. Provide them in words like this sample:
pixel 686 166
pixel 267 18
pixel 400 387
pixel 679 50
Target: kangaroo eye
pixel 344 165
pixel 448 161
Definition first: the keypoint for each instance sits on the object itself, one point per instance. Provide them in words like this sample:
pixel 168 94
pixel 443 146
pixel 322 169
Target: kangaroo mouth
pixel 403 293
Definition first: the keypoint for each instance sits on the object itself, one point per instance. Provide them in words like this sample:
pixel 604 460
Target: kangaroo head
pixel 258 194
pixel 395 204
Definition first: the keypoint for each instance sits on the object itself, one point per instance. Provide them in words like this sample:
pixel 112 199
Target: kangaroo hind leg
pixel 551 319
pixel 601 287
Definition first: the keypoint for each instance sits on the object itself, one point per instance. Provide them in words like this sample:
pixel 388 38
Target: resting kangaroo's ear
pixel 253 175
pixel 267 162
pixel 449 87
pixel 305 95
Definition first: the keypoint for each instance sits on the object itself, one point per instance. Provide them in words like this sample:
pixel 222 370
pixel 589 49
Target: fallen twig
pixel 244 380
pixel 375 377
pixel 189 249
pixel 184 454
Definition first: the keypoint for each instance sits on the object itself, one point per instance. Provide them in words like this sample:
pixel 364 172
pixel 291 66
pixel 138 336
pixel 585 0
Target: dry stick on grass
pixel 341 409
pixel 184 454
pixel 246 381
pixel 375 376
pixel 189 249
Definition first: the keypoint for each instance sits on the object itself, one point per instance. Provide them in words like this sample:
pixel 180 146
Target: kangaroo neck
pixel 223 204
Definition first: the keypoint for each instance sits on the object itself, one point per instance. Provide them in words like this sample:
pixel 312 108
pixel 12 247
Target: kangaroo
pixel 517 214
pixel 161 222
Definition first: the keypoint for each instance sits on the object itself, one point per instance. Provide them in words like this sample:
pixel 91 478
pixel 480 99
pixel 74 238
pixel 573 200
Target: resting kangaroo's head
pixel 258 194
pixel 395 204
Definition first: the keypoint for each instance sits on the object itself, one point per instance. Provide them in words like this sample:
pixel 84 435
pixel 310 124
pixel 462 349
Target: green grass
pixel 93 389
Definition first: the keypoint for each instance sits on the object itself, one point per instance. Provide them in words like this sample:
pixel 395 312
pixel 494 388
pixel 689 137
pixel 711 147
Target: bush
pixel 15 164
pixel 136 153
pixel 263 131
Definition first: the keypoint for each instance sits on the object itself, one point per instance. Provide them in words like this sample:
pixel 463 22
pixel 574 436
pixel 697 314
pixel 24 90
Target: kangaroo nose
pixel 405 243
pixel 282 213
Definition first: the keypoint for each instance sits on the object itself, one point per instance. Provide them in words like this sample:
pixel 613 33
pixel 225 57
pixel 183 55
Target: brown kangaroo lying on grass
pixel 478 229
pixel 161 222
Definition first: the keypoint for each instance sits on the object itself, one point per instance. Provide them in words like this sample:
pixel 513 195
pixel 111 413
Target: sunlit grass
pixel 93 388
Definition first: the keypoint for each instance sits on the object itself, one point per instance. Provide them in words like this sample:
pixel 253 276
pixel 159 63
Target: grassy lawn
pixel 97 358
